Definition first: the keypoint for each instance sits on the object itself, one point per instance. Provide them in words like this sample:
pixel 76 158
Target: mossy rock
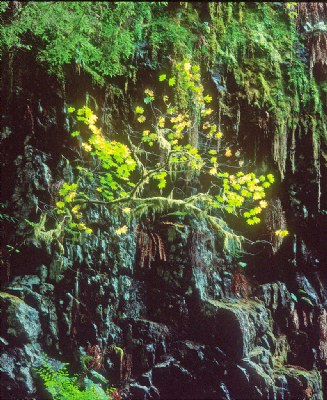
pixel 21 322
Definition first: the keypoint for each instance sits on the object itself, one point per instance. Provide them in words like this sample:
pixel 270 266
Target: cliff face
pixel 192 322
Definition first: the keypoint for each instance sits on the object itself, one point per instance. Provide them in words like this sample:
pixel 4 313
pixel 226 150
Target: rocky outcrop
pixel 178 341
pixel 194 325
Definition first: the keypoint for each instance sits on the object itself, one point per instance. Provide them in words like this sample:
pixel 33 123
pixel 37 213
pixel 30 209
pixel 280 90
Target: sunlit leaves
pixel 253 221
pixel 161 177
pixel 281 233
pixel 149 96
pixel 263 204
pixel 113 156
pixel 228 152
pixel 271 178
pixel 161 122
pixel 141 118
pixel 139 110
pixel 122 230
pixel 172 82
pixel 87 147
pixel 163 153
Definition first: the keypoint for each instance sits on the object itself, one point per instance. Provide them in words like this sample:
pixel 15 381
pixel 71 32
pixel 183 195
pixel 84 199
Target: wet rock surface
pixel 191 327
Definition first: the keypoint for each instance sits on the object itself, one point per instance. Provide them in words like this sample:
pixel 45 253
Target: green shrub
pixel 62 386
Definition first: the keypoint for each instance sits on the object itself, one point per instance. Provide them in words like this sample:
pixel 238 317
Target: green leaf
pixel 294 297
pixel 306 300
pixel 75 133
pixel 271 178
pixel 162 77
pixel 242 264
pixel 172 82
pixel 71 109
pixel 148 100
pixel 177 214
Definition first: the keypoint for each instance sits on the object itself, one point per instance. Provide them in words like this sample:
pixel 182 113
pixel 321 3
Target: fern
pixel 62 386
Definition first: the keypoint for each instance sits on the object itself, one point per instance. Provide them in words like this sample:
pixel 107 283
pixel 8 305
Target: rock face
pixel 177 344
pixel 196 326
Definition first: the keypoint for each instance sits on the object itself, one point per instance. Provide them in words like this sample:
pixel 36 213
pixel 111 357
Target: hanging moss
pixel 258 44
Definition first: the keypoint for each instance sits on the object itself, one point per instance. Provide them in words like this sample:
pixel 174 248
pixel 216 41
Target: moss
pixel 8 296
pixel 282 348
pixel 256 43
pixel 260 47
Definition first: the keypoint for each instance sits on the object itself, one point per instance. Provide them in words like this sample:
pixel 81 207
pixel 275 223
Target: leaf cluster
pixel 63 386
pixel 100 38
pixel 158 157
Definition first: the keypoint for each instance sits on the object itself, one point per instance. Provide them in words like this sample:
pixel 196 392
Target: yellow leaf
pixel 187 66
pixel 127 210
pixel 256 196
pixel 149 92
pixel 228 152
pixel 93 119
pixel 70 197
pixel 161 122
pixel 75 209
pixel 141 118
pixel 87 147
pixel 122 230
pixel 281 233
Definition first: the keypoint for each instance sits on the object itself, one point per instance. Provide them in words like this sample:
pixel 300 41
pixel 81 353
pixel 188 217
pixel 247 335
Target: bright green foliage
pixel 62 386
pixel 260 47
pixel 227 192
pixel 132 174
pixel 255 43
pixel 114 157
pixel 255 49
pixel 100 38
